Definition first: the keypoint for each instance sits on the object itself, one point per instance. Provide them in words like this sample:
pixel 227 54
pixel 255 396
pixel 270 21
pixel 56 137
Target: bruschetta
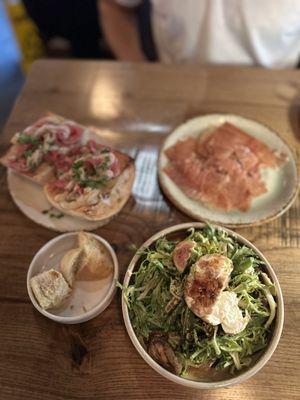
pixel 95 185
pixel 41 148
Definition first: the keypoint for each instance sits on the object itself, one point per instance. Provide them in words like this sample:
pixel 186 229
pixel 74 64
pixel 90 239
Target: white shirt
pixel 243 32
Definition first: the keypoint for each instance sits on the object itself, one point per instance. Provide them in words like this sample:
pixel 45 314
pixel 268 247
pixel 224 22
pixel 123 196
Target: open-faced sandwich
pixel 95 184
pixel 41 147
pixel 84 179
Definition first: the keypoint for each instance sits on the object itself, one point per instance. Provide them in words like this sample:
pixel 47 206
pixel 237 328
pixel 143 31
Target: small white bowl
pixel 242 376
pixel 88 298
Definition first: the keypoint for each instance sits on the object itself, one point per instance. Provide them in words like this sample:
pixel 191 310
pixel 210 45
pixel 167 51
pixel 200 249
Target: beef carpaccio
pixel 221 168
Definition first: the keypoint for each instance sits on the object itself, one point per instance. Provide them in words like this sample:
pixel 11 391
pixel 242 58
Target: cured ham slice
pixel 183 155
pixel 221 168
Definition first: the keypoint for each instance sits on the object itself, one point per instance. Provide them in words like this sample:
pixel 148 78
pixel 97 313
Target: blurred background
pixel 33 29
pixel 264 33
pixel 11 74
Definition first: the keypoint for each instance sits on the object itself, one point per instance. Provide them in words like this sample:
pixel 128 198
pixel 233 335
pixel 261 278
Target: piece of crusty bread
pixel 98 263
pixel 104 210
pixel 71 263
pixel 44 173
pixel 50 289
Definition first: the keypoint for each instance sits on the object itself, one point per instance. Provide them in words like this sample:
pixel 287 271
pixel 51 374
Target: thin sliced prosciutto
pixel 221 168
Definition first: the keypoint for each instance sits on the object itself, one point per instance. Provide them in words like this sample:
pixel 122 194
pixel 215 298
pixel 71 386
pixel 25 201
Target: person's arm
pixel 121 31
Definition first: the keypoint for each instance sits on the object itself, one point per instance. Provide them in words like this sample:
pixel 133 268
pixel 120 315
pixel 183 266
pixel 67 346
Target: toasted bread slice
pixel 106 208
pixel 50 289
pixel 71 263
pixel 98 263
pixel 42 174
pixel 45 172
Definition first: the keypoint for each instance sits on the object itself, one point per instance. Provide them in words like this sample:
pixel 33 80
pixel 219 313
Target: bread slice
pixel 103 211
pixel 42 174
pixel 45 172
pixel 98 263
pixel 50 289
pixel 71 263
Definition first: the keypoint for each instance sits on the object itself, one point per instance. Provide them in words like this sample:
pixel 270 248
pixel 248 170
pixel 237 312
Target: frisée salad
pixel 201 304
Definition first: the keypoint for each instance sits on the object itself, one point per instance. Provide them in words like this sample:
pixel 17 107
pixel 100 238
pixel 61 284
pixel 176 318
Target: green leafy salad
pixel 176 309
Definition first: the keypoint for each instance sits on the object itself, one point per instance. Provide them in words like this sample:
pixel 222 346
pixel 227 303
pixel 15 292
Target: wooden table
pixel 135 106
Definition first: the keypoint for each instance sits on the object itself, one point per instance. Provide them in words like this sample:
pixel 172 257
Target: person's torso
pixel 249 32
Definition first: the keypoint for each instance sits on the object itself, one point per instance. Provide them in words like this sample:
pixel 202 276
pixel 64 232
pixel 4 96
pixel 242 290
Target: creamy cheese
pixel 208 277
pixel 227 313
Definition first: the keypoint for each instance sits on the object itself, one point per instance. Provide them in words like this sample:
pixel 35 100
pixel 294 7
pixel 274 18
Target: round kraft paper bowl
pixel 248 373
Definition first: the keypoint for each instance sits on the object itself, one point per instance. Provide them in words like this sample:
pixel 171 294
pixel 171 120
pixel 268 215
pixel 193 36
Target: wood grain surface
pixel 134 107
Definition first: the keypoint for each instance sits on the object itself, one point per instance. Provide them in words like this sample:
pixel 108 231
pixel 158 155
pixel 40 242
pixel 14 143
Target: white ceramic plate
pixel 282 183
pixel 247 373
pixel 31 200
pixel 88 298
